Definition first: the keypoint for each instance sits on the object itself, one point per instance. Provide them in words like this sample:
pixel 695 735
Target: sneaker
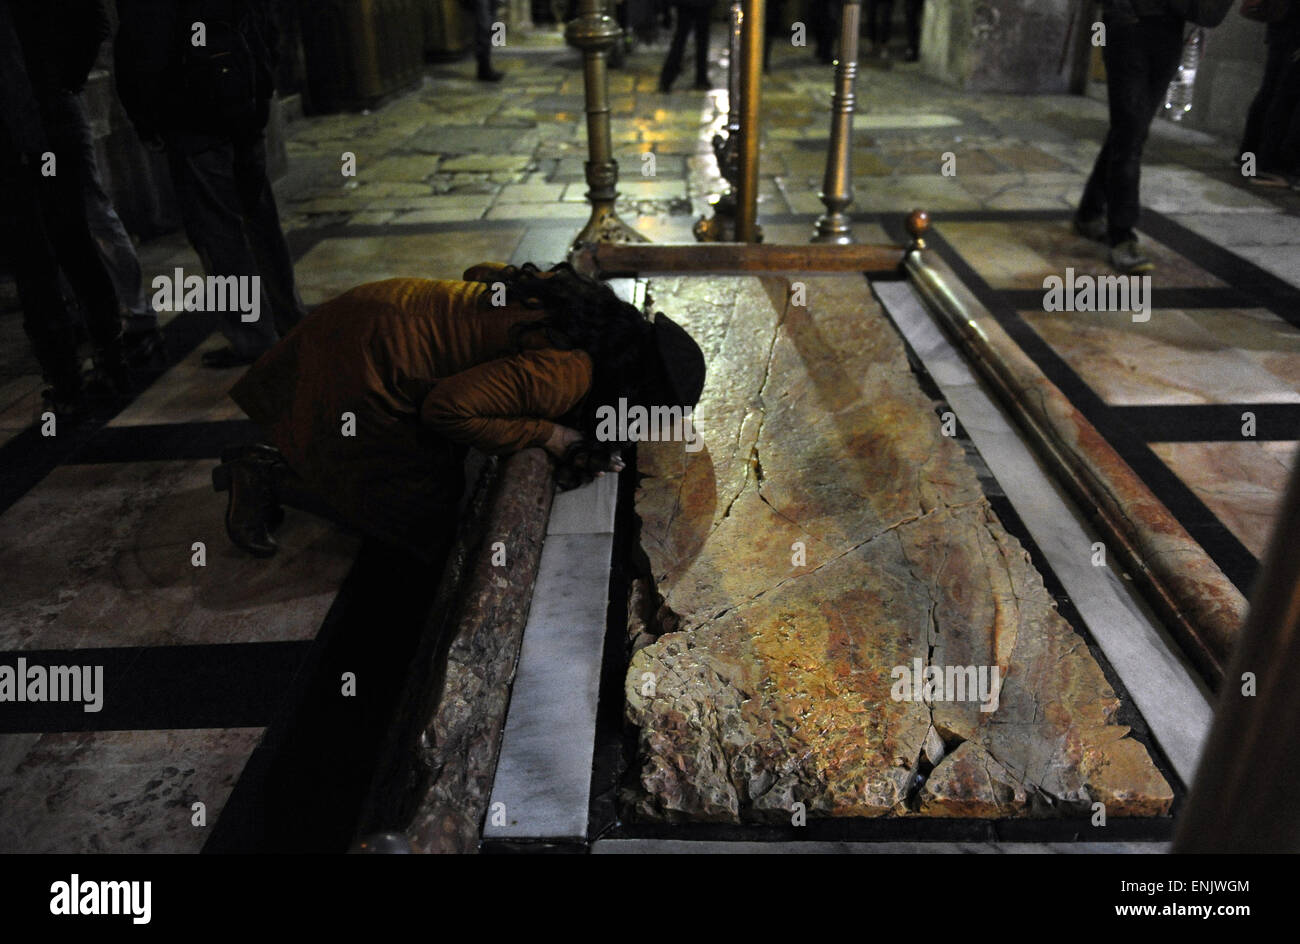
pixel 1129 258
pixel 1094 229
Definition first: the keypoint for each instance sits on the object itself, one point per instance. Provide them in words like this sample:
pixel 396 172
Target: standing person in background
pixel 207 106
pixel 47 48
pixel 1144 45
pixel 692 15
pixel 880 26
pixel 1272 131
pixel 913 10
pixel 485 12
pixel 825 28
pixel 142 339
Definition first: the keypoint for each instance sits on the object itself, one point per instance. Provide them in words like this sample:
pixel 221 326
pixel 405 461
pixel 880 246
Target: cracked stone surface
pixel 826 537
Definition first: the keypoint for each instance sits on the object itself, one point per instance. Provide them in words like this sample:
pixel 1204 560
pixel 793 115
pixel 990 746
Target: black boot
pixel 110 379
pixel 250 506
pixel 485 71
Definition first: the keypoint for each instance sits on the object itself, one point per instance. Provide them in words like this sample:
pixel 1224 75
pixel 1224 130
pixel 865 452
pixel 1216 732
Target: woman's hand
pixel 585 460
pixel 561 438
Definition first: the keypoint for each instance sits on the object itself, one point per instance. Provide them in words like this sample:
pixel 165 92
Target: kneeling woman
pixel 371 401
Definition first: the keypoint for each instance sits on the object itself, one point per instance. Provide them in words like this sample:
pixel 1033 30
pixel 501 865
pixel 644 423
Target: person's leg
pixel 1253 133
pixel 1140 63
pixel 1092 206
pixel 484 12
pixel 677 49
pixel 913 10
pixel 115 246
pixel 64 204
pixel 212 212
pixel 46 319
pixel 1279 151
pixel 262 224
pixel 701 15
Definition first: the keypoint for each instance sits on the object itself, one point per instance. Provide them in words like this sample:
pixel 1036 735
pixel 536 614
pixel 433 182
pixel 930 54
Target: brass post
pixel 594 32
pixel 1243 798
pixel 751 77
pixel 834 226
pixel 726 146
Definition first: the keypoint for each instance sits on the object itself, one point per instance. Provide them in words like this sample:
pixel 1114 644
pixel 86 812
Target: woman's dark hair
pixel 582 313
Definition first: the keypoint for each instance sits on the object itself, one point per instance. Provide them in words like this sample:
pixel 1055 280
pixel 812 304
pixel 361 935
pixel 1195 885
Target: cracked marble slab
pixel 826 552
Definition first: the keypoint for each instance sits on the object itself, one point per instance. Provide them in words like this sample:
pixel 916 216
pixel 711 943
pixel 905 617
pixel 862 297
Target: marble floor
pixel 98 527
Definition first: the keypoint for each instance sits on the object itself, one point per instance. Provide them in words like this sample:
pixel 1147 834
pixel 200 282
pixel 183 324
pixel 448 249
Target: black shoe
pixel 251 505
pixel 225 357
pixel 144 348
pixel 66 402
pixel 109 380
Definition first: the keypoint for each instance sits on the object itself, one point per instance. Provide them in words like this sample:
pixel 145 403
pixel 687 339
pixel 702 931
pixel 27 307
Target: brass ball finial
pixel 918 224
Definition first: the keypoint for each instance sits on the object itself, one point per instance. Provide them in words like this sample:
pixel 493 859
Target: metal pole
pixel 751 78
pixel 1244 796
pixel 594 32
pixel 834 226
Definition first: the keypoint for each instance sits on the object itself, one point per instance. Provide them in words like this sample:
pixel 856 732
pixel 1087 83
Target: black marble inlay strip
pixel 164 441
pixel 154 688
pixel 1211 422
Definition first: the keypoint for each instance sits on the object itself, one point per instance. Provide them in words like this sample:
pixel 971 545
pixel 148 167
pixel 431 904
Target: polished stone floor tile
pixel 101 556
pixel 1020 255
pixel 1241 482
pixel 335 265
pixel 187 393
pixel 117 791
pixel 1168 360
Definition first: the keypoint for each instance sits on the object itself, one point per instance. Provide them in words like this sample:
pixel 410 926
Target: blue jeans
pixel 230 217
pixel 1141 59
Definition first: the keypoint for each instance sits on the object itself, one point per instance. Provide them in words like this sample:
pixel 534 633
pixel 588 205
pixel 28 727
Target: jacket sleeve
pixel 508 404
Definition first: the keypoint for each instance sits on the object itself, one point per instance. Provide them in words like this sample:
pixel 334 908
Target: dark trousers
pixel 115 246
pixel 825 26
pixel 1141 59
pixel 484 14
pixel 230 217
pixel 912 10
pixel 1278 145
pixel 880 20
pixel 690 18
pixel 50 236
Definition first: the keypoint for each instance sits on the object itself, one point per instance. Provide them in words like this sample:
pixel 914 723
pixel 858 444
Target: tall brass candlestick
pixel 595 32
pixel 751 43
pixel 834 226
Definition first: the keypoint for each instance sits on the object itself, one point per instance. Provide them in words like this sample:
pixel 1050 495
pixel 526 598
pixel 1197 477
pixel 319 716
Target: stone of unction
pixel 826 544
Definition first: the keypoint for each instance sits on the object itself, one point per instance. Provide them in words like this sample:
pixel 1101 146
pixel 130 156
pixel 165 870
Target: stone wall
pixel 1231 68
pixel 1001 45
